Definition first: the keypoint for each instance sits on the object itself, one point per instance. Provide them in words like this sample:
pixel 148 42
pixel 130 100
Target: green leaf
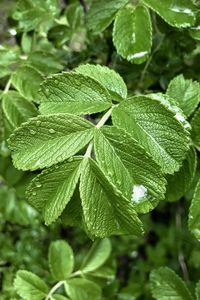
pixel 73 212
pixel 50 191
pixel 102 13
pixel 196 129
pixel 30 14
pixel 178 13
pixel 74 93
pixel 17 109
pixel 194 213
pixel 45 62
pixel 30 286
pixel 61 259
pixel 111 80
pixel 82 289
pixel 127 165
pixel 197 290
pixel 97 255
pixel 27 81
pixel 132 33
pixel 166 284
pixel 107 212
pixel 47 140
pixel 156 128
pixel 180 182
pixel 59 297
pixel 185 92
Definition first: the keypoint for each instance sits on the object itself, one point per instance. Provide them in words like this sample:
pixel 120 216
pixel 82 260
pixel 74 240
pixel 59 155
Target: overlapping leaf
pixel 166 284
pixel 111 80
pixel 178 13
pixel 73 93
pixel 17 109
pixel 50 191
pixel 27 80
pixel 156 128
pixel 46 140
pixel 106 211
pixel 194 213
pixel 126 164
pixel 102 13
pixel 185 92
pixel 180 182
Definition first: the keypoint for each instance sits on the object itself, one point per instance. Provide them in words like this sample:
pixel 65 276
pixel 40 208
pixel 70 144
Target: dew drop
pixel 34 193
pixel 51 130
pixel 38 184
pixel 32 132
pixel 139 192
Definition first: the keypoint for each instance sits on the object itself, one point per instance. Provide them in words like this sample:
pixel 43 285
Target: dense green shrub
pixel 99 143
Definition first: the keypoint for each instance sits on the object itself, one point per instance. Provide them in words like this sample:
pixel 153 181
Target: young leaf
pixel 180 182
pixel 73 93
pixel 129 167
pixel 156 128
pixel 50 191
pixel 47 140
pixel 82 289
pixel 107 212
pixel 111 80
pixel 166 284
pixel 30 286
pixel 97 255
pixel 61 260
pixel 102 13
pixel 197 290
pixel 178 13
pixel 132 33
pixel 17 109
pixel 185 92
pixel 194 213
pixel 27 81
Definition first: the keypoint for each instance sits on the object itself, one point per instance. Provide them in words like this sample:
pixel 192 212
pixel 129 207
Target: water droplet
pixel 34 193
pixel 32 132
pixel 137 55
pixel 139 192
pixel 51 130
pixel 38 184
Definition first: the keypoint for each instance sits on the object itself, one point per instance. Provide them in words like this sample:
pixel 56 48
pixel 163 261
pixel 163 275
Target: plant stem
pixel 7 87
pixel 54 288
pixel 102 121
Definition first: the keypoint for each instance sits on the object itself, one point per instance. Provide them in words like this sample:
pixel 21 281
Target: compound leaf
pixel 46 140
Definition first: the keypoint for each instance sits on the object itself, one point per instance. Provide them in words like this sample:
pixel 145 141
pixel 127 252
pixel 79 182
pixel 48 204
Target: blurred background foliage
pixel 52 38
